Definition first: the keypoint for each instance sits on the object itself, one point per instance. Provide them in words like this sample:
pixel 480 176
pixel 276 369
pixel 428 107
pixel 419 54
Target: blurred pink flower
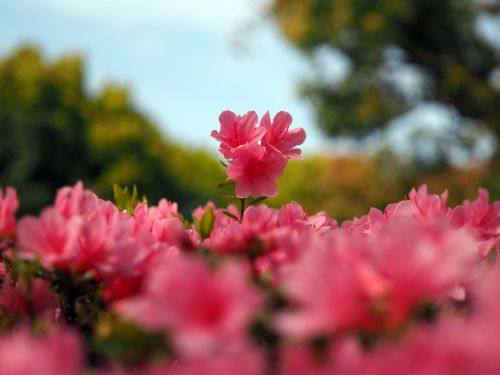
pixel 255 170
pixel 331 288
pixel 373 282
pixel 242 360
pixel 13 298
pixel 200 308
pixel 72 201
pixel 58 352
pixel 482 218
pixel 52 238
pixel 8 207
pixel 106 245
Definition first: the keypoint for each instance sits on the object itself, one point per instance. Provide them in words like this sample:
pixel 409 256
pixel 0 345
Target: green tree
pixel 53 133
pixel 437 40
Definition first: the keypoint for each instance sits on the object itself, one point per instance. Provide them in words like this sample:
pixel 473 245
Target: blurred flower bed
pixel 91 286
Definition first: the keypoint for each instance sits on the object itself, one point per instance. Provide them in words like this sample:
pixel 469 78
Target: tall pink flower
pixel 280 137
pixel 236 131
pixel 255 169
pixel 8 206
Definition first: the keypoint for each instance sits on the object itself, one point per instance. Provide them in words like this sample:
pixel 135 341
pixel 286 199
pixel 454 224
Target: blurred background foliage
pixel 54 131
pixel 383 42
pixel 396 56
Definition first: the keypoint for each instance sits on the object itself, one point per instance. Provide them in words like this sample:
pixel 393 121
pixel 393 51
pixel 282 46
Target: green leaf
pixel 186 223
pixel 125 200
pixel 205 225
pixel 197 225
pixel 121 196
pixel 207 222
pixel 229 214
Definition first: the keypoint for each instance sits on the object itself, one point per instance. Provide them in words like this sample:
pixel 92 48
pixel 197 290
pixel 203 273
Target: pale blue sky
pixel 185 61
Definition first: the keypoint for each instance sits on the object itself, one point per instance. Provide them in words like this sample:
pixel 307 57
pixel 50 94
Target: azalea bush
pixel 95 287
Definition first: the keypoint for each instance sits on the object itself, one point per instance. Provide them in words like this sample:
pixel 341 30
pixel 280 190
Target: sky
pixel 184 61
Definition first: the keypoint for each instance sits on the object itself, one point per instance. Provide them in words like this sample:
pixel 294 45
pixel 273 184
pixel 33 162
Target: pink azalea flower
pixel 52 238
pixel 171 231
pixel 430 206
pixel 71 201
pixel 279 137
pixel 227 239
pixel 201 309
pixel 14 301
pixel 374 282
pixel 482 218
pixel 255 170
pixel 258 221
pixel 164 225
pixel 242 360
pixel 167 209
pixel 293 215
pixel 106 245
pixel 8 207
pixel 59 352
pixel 421 262
pixel 331 290
pixel 236 131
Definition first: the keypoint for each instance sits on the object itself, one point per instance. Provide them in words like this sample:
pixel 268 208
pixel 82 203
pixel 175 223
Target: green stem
pixel 242 208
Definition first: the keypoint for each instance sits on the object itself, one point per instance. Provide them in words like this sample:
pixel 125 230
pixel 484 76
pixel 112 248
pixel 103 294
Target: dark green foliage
pixel 436 37
pixel 53 133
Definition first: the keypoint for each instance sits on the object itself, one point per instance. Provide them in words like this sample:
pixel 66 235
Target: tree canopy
pixel 53 132
pixel 435 42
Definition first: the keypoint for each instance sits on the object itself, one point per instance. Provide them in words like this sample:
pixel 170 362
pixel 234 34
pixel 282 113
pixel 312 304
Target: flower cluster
pixel 93 287
pixel 257 155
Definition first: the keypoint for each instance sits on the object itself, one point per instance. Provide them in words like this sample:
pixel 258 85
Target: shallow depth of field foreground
pixel 133 287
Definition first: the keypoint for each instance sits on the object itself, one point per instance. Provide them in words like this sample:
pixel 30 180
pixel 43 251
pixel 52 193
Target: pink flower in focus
pixel 236 131
pixel 8 207
pixel 279 137
pixel 58 352
pixel 255 170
